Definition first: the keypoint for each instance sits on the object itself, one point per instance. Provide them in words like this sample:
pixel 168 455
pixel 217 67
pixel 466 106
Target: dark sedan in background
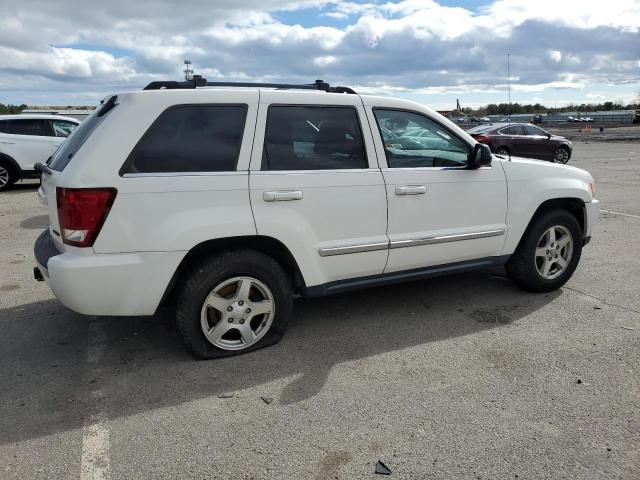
pixel 523 140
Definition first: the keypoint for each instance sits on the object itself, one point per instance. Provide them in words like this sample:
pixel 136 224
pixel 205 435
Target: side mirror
pixel 480 157
pixel 548 136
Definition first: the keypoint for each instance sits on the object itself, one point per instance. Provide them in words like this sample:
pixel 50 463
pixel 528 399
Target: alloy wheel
pixel 554 252
pixel 237 313
pixel 4 176
pixel 561 155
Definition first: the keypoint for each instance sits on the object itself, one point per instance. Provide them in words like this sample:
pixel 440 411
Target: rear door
pixel 512 138
pixel 27 141
pixel 315 184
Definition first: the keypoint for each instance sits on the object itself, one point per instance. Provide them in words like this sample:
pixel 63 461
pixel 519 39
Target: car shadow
pixel 21 186
pixel 47 380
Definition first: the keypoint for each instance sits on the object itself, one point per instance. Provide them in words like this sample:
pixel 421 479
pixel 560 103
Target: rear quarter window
pixel 190 138
pixel 78 137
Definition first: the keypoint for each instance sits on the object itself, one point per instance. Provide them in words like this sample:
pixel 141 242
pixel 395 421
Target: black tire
pixel 7 171
pixel 561 155
pixel 201 280
pixel 522 268
pixel 503 151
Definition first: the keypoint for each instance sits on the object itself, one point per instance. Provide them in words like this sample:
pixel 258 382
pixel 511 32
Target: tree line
pixel 11 109
pixel 515 108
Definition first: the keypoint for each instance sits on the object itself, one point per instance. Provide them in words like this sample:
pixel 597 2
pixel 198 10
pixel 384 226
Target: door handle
pixel 411 190
pixel 282 195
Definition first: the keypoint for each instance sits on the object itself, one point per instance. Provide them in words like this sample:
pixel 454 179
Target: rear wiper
pixel 42 168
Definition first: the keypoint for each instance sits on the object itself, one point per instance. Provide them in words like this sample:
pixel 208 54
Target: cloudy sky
pixel 433 51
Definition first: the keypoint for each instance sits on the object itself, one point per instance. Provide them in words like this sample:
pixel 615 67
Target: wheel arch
pixel 261 243
pixel 12 162
pixel 575 206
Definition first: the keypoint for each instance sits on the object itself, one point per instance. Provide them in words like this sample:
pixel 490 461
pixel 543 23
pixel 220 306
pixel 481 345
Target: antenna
pixel 509 90
pixel 188 71
pixel 509 84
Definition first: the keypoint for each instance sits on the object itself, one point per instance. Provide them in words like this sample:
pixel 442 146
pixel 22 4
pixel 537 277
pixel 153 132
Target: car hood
pixel 543 168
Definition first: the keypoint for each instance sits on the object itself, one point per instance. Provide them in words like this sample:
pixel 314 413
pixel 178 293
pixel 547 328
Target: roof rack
pixel 198 81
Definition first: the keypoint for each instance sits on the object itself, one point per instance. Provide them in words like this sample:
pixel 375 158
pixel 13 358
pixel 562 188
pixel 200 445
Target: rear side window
pixel 512 130
pixel 190 138
pixel 313 138
pixel 28 126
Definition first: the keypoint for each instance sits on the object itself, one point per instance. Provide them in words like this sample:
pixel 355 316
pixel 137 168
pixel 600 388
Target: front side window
pixel 29 126
pixel 313 138
pixel 190 138
pixel 534 131
pixel 62 128
pixel 414 140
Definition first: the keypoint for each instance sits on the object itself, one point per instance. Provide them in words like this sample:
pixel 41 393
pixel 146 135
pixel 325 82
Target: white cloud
pixel 408 46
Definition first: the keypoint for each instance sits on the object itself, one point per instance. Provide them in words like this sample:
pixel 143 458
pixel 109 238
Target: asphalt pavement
pixel 460 377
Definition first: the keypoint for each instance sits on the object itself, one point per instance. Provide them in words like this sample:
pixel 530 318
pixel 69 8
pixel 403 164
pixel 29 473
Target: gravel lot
pixel 464 377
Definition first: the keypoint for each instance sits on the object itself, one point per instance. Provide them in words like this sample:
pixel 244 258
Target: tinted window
pixel 313 138
pixel 190 138
pixel 481 128
pixel 4 126
pixel 28 126
pixel 62 128
pixel 512 130
pixel 414 140
pixel 534 130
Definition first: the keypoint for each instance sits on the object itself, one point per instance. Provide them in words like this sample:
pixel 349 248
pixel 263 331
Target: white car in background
pixel 28 139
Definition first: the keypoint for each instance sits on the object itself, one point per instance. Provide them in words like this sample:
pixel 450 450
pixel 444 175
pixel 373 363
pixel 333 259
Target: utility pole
pixel 188 71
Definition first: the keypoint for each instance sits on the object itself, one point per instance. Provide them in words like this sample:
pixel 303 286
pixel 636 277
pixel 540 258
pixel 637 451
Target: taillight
pixel 481 138
pixel 82 212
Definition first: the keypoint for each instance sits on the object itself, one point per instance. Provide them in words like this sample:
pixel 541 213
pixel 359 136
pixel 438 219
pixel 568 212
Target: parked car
pixel 226 201
pixel 26 140
pixel 523 140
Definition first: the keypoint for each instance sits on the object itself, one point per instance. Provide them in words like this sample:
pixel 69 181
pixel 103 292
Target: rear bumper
pixel 123 284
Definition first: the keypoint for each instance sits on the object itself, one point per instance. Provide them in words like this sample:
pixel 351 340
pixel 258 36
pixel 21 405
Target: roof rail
pixel 198 81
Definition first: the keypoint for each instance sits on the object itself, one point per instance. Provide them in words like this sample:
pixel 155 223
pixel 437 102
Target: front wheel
pixel 233 303
pixel 561 155
pixel 548 254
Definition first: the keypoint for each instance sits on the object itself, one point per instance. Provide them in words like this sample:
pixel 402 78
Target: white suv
pixel 28 139
pixel 230 200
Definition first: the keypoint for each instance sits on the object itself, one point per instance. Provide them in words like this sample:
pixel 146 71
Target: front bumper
pixel 591 216
pixel 118 284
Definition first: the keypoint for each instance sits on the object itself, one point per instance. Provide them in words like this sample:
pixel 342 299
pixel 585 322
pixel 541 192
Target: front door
pixel 440 212
pixel 316 186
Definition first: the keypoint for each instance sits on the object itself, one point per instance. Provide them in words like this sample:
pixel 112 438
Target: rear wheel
pixel 561 155
pixel 503 151
pixel 233 303
pixel 548 254
pixel 7 175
